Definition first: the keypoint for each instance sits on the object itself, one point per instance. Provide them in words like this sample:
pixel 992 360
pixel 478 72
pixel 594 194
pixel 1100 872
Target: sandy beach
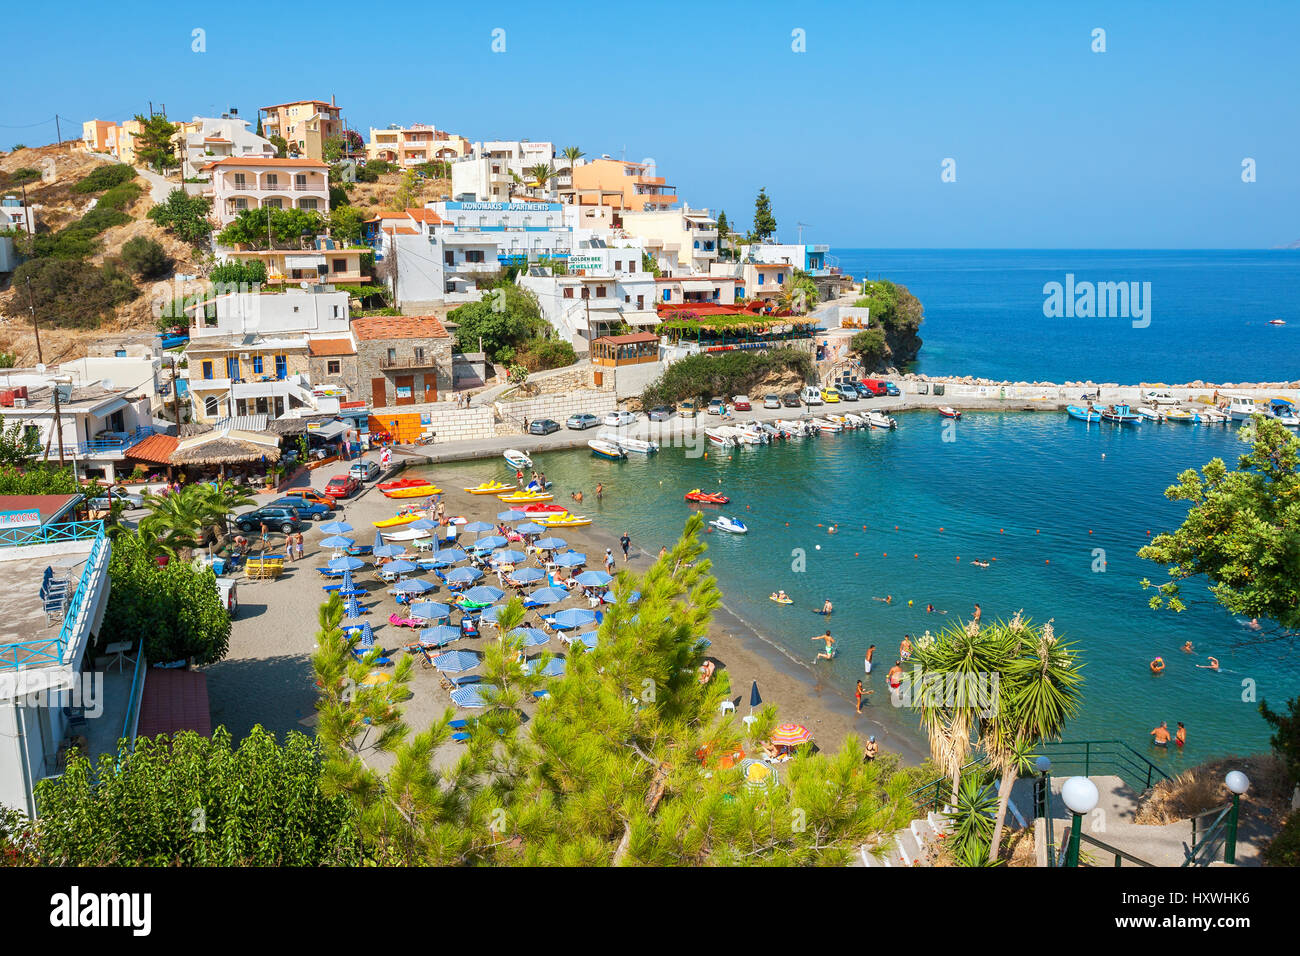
pixel 266 677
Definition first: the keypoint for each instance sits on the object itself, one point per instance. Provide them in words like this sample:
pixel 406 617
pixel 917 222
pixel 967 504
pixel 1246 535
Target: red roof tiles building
pixel 378 327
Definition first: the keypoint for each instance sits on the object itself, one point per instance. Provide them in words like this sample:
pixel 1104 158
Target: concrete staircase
pixel 909 846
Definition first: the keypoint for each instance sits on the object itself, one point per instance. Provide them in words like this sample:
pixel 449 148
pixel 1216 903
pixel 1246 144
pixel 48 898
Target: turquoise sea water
pixel 1019 490
pixel 1209 313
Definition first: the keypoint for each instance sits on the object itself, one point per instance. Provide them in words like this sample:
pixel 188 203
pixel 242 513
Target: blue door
pixel 232 368
pixel 281 367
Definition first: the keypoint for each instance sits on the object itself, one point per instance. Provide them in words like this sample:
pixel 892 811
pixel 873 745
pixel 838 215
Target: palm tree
pixel 1039 690
pixel 542 173
pixel 572 154
pixel 175 521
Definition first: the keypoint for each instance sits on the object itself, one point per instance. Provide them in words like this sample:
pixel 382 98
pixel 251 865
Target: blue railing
pixel 50 650
pixel 51 533
pixel 133 700
pixel 104 446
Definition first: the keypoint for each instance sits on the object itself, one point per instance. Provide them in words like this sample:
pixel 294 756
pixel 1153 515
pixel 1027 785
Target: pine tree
pixel 764 222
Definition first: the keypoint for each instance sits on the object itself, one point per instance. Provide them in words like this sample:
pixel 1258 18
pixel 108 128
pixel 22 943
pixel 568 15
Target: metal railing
pixel 1086 757
pixel 1216 830
pixel 131 721
pixel 51 533
pixel 938 793
pixel 104 446
pixel 50 650
pixel 1119 855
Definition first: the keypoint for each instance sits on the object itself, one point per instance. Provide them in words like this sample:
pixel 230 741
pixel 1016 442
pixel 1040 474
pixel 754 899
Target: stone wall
pixel 371 355
pixel 448 422
pixel 556 406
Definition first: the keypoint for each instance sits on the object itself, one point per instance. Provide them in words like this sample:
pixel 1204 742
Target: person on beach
pixel 858 694
pixel 827 607
pixel 609 560
pixel 1180 737
pixel 625 540
pixel 872 749
pixel 1187 648
pixel 1212 666
pixel 1161 734
pixel 519 479
pixel 706 671
pixel 905 648
pixel 887 599
pixel 871 652
pixel 895 676
pixel 264 535
pixel 300 545
pixel 663 552
pixel 288 547
pixel 828 652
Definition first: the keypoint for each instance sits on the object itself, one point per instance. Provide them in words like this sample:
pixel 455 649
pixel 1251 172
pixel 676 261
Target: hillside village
pixel 286 272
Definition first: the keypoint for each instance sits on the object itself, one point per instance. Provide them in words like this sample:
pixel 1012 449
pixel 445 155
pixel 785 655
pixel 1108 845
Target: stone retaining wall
pixel 559 407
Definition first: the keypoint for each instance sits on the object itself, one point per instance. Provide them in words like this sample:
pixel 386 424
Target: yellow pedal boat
pixel 415 491
pixel 564 520
pixel 526 497
pixel 397 520
pixel 493 487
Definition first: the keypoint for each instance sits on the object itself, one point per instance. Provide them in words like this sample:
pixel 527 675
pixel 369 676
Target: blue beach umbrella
pixel 439 636
pixel 510 515
pixel 477 527
pixel 590 639
pixel 337 541
pixel 468 697
pixel 414 586
pixel 548 596
pixel 398 567
pixel 389 550
pixel 422 524
pixel 531 636
pixel 483 594
pixel 554 667
pixel 335 527
pixel 352 609
pixel 509 556
pixel 594 579
pixel 453 662
pixel 550 544
pixel 529 527
pixel 492 613
pixel 346 563
pixel 754 699
pixel 490 543
pixel 573 617
pixel 611 598
pixel 429 611
pixel 570 559
pixel 379 541
pixel 449 556
pixel 527 575
pixel 463 575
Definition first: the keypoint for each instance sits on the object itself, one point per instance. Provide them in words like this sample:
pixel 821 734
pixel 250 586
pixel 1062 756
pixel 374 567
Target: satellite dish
pixel 41 368
pixel 305 284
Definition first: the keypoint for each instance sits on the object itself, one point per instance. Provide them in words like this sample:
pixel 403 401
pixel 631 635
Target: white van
pixel 811 395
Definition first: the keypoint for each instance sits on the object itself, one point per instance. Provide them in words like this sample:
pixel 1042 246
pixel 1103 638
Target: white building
pixel 603 288
pixel 207 139
pixel 499 171
pixel 813 259
pixel 240 183
pixel 317 311
pixel 687 238
pixel 19 218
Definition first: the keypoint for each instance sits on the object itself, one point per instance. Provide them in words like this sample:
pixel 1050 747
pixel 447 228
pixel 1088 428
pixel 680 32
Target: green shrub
pixel 1284 850
pixel 105 177
pixel 119 197
pixel 869 346
pixel 37 480
pixel 146 258
pixel 538 355
pixel 726 373
pixel 184 215
pixel 239 272
pixel 71 293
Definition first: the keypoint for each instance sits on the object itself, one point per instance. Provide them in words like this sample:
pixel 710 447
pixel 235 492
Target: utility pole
pixel 57 130
pixel 36 327
pixel 176 398
pixel 27 215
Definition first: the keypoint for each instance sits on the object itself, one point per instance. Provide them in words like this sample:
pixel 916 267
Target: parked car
pixel 342 486
pixel 582 421
pixel 688 409
pixel 543 426
pixel 306 510
pixel 741 403
pixel 1160 398
pixel 892 389
pixel 365 470
pixel 830 396
pixel 811 395
pixel 661 413
pixel 875 386
pixel 314 497
pixel 862 390
pixel 717 406
pixel 618 419
pixel 846 392
pixel 771 401
pixel 276 518
pixel 113 495
pixel 791 400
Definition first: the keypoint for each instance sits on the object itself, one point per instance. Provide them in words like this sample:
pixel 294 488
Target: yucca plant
pixel 973 811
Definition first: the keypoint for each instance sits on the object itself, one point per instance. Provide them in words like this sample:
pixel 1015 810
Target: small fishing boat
pixel 881 420
pixel 1180 415
pixel 526 497
pixel 414 491
pixel 1088 414
pixel 707 497
pixel 734 525
pixel 1209 416
pixel 826 425
pixel 1242 407
pixel 606 449
pixel 398 520
pixel 947 411
pixel 716 436
pixel 1120 415
pixel 638 445
pixel 565 520
pixel 1284 411
pixel 1276 322
pixel 1151 414
pixel 517 459
pixel 857 419
pixel 387 486
pixel 489 488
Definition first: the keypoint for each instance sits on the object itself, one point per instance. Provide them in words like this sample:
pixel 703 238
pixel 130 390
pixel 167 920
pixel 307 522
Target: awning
pixel 705 285
pixel 644 317
pixel 328 431
pixel 303 262
pixel 116 405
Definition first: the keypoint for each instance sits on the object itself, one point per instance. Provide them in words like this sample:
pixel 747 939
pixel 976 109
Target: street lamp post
pixel 1080 795
pixel 1044 766
pixel 1238 783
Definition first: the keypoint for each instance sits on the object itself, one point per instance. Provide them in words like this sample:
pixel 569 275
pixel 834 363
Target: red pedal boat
pixel 540 509
pixel 403 483
pixel 707 497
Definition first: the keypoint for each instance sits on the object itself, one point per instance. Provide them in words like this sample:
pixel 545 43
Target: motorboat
pixel 881 420
pixel 826 425
pixel 1277 322
pixel 387 486
pixel 606 449
pixel 517 459
pixel 717 436
pixel 1151 414
pixel 857 419
pixel 1242 407
pixel 487 488
pixel 793 428
pixel 638 445
pixel 1088 414
pixel 734 525
pixel 1180 415
pixel 947 411
pixel 414 491
pixel 1120 415
pixel 1284 410
pixel 526 497
pixel 707 497
pixel 1209 416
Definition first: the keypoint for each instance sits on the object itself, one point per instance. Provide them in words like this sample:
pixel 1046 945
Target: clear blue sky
pixel 1055 146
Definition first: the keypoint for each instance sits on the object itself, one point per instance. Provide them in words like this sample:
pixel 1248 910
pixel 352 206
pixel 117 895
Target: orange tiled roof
pixel 398 327
pixel 330 347
pixel 156 448
pixel 427 215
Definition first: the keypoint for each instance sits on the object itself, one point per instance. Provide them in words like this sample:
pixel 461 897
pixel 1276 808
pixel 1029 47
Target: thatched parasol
pixel 226 448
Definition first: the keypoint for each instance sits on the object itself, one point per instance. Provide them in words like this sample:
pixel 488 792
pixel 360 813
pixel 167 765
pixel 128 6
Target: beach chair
pixel 365 646
pixel 460 737
pixel 398 621
pixel 460 723
pixel 541 694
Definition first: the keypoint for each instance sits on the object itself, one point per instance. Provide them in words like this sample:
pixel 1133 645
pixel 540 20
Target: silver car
pixel 128 498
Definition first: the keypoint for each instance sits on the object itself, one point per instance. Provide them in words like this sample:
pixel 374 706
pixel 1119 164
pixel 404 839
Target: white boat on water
pixel 638 445
pixel 606 449
pixel 795 428
pixel 857 419
pixel 1241 407
pixel 734 525
pixel 881 420
pixel 1209 416
pixel 1150 414
pixel 719 437
pixel 826 425
pixel 517 459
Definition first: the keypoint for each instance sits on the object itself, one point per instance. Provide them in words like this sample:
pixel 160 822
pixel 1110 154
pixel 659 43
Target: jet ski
pixel 734 525
pixel 707 497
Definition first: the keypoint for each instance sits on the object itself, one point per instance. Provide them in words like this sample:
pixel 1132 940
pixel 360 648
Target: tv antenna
pixel 802 226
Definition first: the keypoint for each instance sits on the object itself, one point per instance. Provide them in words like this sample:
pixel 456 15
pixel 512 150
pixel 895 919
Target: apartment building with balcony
pixel 640 189
pixel 240 183
pixel 56 589
pixel 413 145
pixel 402 360
pixel 815 259
pixel 305 125
pixel 500 171
pixel 687 237
pixel 328 261
pixel 115 139
pixel 250 374
pixel 204 140
pixel 603 288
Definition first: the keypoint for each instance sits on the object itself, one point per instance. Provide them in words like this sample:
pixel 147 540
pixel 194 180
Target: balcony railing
pixel 408 361
pixel 50 650
pixel 105 446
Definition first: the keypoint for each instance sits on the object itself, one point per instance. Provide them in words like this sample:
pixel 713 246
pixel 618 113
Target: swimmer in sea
pixel 1253 624
pixel 1187 648
pixel 779 596
pixel 871 652
pixel 827 607
pixel 1212 666
pixel 829 651
pixel 1161 734
pixel 978 612
pixel 1180 737
pixel 895 676
pixel 905 648
pixel 887 599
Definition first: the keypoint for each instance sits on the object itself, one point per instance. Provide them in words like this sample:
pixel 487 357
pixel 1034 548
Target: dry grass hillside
pixel 382 195
pixel 57 206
